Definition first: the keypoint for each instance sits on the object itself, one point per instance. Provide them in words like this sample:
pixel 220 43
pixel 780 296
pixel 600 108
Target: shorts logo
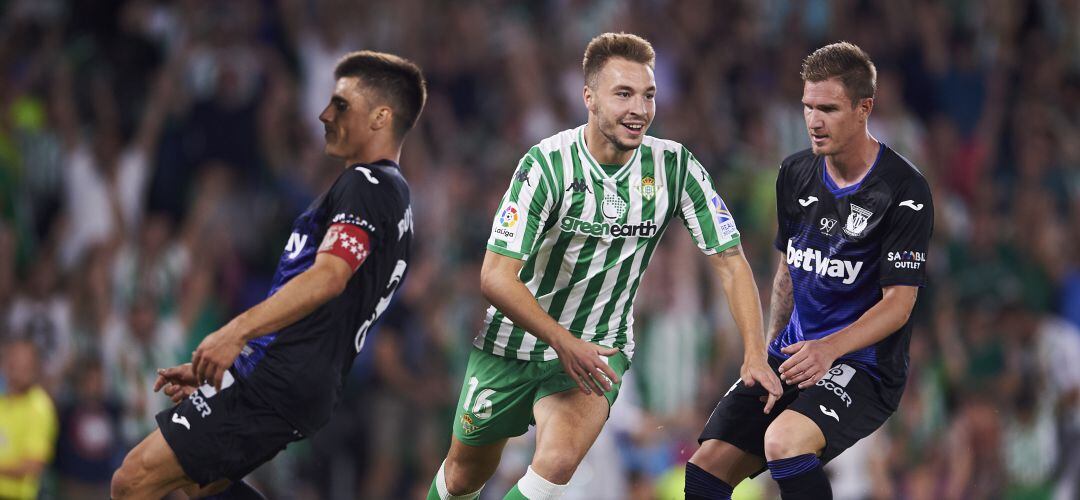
pixel 200 404
pixel 467 424
pixel 829 412
pixel 857 219
pixel 181 420
pixel 835 380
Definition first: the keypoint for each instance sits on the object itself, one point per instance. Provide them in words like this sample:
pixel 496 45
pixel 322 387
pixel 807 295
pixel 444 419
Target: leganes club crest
pixel 857 219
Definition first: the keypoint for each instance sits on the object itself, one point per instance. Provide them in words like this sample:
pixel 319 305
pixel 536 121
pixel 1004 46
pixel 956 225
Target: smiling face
pixel 347 119
pixel 831 120
pixel 622 102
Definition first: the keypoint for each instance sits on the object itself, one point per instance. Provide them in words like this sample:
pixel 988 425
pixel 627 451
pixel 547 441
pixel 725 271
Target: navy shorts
pixel 224 434
pixel 847 404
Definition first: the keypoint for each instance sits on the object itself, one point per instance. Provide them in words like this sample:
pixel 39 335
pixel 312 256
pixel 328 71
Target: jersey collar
pixel 595 166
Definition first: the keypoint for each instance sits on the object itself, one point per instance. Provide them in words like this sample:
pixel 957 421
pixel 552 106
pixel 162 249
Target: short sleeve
pixel 522 212
pixel 704 213
pixel 909 224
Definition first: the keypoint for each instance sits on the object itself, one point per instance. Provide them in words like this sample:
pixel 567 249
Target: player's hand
pixel 581 360
pixel 215 355
pixel 809 361
pixel 756 370
pixel 177 382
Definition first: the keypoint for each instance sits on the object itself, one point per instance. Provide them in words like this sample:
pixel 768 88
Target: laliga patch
pixel 508 223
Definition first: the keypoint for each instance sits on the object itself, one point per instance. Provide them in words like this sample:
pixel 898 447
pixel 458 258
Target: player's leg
pixel 716 468
pixel 567 424
pixel 495 403
pixel 466 469
pixel 846 405
pixel 732 442
pixel 793 444
pixel 150 470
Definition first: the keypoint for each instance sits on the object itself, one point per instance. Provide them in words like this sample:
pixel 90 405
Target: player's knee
pixel 123 480
pixel 462 478
pixel 557 468
pixel 783 441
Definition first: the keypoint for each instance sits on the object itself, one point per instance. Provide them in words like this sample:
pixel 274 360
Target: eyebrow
pixel 651 88
pixel 823 107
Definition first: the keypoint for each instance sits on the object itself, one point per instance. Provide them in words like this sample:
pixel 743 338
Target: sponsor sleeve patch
pixel 347 241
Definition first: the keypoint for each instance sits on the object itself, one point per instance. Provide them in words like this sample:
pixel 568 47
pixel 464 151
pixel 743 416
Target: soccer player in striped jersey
pixel 569 244
pixel 855 220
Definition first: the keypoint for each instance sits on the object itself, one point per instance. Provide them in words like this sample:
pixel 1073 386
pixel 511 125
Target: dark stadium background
pixel 153 155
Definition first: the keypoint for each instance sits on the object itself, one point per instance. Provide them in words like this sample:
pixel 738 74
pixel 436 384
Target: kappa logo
pixel 911 204
pixel 522 175
pixel 808 201
pixel 829 412
pixel 181 420
pixel 579 186
pixel 857 219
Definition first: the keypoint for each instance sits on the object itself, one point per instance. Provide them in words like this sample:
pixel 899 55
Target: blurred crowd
pixel 154 153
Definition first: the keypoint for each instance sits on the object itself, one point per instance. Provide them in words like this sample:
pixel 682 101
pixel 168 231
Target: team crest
pixel 857 219
pixel 613 207
pixel 647 188
pixel 467 424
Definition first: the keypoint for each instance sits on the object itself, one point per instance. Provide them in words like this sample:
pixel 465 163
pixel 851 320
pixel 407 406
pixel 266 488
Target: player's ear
pixel 381 116
pixel 587 97
pixel 865 107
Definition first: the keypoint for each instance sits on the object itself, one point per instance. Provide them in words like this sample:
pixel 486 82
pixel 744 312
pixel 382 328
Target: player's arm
pixel 324 280
pixel 783 300
pixel 811 359
pixel 740 288
pixel 500 284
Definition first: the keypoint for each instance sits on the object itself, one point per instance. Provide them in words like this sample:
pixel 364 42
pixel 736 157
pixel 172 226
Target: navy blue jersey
pixel 299 370
pixel 843 245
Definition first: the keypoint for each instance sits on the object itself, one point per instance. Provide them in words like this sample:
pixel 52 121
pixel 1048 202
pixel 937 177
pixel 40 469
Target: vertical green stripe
pixel 551 272
pixel 492 331
pixel 532 227
pixel 703 212
pixel 674 182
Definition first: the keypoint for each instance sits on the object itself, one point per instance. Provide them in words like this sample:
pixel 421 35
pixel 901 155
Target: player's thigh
pixel 739 419
pixel 567 424
pixel 150 470
pixel 846 405
pixel 726 461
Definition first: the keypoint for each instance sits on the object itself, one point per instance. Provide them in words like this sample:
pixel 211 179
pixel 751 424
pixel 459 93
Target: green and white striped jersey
pixel 586 236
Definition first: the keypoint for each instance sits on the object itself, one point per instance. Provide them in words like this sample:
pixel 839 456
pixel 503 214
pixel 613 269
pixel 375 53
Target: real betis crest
pixel 647 188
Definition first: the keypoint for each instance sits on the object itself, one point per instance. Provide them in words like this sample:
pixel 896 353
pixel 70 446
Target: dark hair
pixel 846 61
pixel 394 81
pixel 604 47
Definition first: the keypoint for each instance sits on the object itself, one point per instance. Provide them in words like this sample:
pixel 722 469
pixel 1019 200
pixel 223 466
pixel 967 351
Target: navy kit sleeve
pixel 910 222
pixel 356 200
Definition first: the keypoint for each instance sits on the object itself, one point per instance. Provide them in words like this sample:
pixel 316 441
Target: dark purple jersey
pixel 299 370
